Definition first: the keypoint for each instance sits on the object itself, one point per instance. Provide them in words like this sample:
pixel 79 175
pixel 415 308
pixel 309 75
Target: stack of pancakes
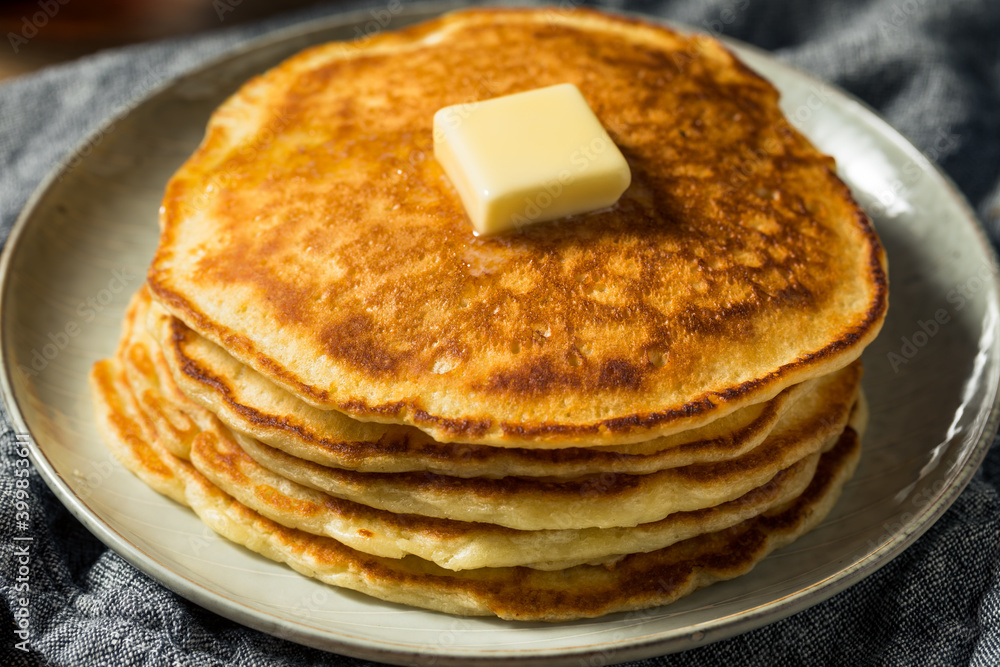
pixel 596 414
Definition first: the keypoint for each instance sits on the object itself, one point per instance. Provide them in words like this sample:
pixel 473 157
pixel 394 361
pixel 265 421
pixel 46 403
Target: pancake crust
pixel 313 237
pixel 516 593
pixel 249 403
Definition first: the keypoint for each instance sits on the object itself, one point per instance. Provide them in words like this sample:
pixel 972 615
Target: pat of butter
pixel 529 157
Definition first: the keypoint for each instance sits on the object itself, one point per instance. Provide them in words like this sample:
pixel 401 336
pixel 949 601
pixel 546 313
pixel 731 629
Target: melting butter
pixel 529 157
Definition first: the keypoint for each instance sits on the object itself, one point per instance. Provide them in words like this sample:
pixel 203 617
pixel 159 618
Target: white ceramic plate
pixel 81 247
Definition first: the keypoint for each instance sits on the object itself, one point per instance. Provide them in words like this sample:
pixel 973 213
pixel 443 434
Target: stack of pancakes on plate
pixel 596 414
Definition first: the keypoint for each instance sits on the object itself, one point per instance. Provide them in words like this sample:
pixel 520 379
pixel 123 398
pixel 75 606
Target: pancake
pixel 516 593
pixel 249 403
pixel 314 238
pixel 594 501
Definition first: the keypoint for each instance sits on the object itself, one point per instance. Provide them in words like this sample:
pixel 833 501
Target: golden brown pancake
pixel 251 404
pixel 314 238
pixel 635 581
pixel 597 414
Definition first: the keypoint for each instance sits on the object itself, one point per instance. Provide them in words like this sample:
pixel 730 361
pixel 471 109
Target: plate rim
pixel 301 632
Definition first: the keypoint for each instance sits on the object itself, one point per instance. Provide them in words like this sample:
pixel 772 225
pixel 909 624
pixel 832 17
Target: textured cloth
pixel 931 68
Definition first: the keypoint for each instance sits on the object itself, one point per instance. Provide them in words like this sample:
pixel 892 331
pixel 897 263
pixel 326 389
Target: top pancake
pixel 315 238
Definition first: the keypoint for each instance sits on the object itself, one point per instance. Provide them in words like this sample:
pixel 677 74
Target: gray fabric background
pixel 931 68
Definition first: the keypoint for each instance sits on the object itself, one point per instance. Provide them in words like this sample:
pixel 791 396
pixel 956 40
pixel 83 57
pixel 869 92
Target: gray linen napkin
pixel 931 68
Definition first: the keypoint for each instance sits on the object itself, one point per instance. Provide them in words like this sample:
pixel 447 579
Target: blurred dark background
pixel 44 32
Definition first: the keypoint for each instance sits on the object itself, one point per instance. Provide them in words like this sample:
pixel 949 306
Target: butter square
pixel 529 157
